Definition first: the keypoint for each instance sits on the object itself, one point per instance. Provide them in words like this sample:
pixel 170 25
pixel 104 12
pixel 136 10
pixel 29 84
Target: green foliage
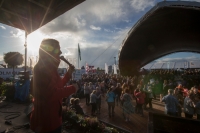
pixel 3 89
pixel 13 58
pixel 87 124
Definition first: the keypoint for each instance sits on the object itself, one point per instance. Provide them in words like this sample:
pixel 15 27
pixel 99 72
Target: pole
pixel 115 60
pixel 78 60
pixel 25 45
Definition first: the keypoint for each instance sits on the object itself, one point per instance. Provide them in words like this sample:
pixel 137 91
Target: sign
pixel 8 72
pixel 77 75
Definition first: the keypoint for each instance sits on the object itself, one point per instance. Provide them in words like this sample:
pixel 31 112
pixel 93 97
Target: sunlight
pixel 34 40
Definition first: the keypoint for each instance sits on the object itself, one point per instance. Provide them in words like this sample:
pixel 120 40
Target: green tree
pixel 13 59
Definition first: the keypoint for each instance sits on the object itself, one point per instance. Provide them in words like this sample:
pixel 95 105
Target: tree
pixel 13 59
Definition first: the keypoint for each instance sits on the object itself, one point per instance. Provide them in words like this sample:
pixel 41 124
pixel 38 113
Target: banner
pixel 8 72
pixel 106 68
pixel 77 74
pixel 115 69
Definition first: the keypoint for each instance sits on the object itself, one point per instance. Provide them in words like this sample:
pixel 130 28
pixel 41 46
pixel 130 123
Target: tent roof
pixel 173 64
pixel 29 15
pixel 170 26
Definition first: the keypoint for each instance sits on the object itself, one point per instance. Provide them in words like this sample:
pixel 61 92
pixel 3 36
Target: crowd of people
pixel 179 97
pixel 49 90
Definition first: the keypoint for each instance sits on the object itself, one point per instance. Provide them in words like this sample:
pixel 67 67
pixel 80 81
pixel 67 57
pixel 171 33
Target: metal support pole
pixel 115 60
pixel 78 60
pixel 25 45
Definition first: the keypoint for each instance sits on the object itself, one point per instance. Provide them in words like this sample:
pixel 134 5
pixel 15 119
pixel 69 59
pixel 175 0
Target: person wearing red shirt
pixel 48 89
pixel 140 100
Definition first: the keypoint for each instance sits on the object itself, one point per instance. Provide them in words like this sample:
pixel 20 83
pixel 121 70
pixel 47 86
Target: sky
pixel 98 26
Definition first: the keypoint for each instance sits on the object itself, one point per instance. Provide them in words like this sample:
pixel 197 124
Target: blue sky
pixel 99 26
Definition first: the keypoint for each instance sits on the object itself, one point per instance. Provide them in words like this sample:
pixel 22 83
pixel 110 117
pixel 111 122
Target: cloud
pixel 90 12
pixel 17 33
pixel 141 5
pixel 108 30
pixel 95 28
pixel 127 21
pixel 1 57
pixel 111 18
pixel 68 52
pixel 3 27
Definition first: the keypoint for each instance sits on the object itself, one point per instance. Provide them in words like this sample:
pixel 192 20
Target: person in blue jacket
pixel 110 96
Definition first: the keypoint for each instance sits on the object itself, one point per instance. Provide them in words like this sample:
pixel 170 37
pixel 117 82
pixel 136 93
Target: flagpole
pixel 78 56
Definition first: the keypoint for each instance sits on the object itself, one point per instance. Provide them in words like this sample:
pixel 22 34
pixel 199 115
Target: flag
pixel 106 68
pixel 86 68
pixel 115 69
pixel 79 52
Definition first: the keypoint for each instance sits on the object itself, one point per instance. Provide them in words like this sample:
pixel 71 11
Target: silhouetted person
pixel 48 89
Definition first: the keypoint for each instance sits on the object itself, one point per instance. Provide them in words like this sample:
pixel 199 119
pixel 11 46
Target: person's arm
pixel 56 92
pixel 194 105
pixel 162 99
pixel 68 75
pixel 137 94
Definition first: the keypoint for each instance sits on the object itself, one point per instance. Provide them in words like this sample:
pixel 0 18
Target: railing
pixel 121 130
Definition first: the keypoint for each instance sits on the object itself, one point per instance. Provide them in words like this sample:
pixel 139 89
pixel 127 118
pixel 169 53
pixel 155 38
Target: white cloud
pixel 112 17
pixel 90 12
pixel 141 5
pixel 127 21
pixel 18 34
pixel 95 28
pixel 108 30
pixel 3 27
pixel 1 57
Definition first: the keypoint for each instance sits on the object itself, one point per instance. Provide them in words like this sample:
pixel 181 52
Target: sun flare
pixel 34 40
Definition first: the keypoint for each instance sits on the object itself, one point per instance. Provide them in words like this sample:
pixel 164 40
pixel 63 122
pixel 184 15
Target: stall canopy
pixel 29 15
pixel 184 64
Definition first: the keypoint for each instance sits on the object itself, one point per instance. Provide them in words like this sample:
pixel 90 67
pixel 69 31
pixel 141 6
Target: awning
pixel 29 15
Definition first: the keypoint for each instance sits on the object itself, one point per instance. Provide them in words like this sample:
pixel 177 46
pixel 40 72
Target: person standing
pixel 197 107
pixel 165 89
pixel 135 92
pixel 150 96
pixel 118 92
pixel 98 93
pixel 171 103
pixel 93 102
pixel 128 107
pixel 188 105
pixel 180 99
pixel 48 89
pixel 111 101
pixel 140 101
pixel 87 93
